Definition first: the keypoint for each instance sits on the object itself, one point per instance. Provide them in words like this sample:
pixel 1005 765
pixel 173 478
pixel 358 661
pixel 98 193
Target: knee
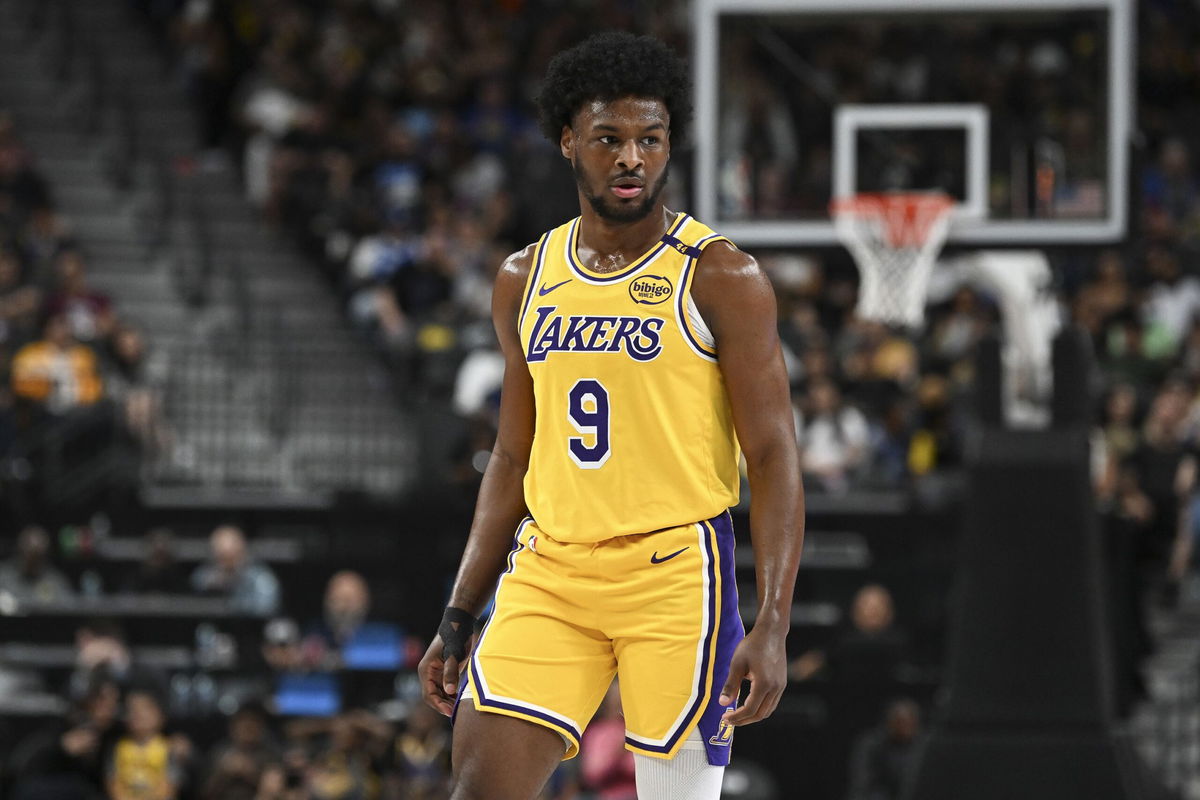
pixel 474 789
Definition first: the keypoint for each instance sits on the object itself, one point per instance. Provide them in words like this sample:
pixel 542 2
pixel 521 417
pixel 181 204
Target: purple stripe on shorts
pixel 729 637
pixel 728 630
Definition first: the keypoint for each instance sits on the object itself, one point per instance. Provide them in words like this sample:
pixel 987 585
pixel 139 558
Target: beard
pixel 612 209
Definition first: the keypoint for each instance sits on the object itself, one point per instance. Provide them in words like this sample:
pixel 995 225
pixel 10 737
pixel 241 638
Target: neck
pixel 606 246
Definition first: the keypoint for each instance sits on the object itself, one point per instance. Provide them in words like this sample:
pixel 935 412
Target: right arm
pixel 501 504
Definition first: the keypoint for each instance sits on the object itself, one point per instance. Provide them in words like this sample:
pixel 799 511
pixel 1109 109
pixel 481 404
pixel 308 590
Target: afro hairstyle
pixel 611 65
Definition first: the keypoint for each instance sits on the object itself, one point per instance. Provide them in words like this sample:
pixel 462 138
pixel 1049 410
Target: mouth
pixel 626 188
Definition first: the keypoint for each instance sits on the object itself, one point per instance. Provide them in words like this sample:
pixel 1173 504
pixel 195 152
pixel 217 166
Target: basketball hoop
pixel 895 238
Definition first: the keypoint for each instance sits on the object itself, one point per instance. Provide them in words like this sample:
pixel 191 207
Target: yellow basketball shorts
pixel 658 610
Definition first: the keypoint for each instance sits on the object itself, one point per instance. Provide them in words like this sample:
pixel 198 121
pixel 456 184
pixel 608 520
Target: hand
pixel 79 741
pixel 181 747
pixel 439 679
pixel 760 658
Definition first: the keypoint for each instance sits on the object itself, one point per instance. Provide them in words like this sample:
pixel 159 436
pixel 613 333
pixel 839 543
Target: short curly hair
pixel 611 65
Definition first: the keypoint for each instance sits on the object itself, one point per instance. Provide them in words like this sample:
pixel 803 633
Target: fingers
pixel 450 676
pixel 762 700
pixel 431 671
pixel 733 684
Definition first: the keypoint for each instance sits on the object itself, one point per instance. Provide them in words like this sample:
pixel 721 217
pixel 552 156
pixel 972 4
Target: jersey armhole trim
pixel 539 259
pixel 695 330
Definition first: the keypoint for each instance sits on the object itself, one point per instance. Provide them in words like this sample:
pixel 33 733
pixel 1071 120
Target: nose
pixel 630 156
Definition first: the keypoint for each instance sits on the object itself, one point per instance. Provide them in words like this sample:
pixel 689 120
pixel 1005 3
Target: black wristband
pixel 455 630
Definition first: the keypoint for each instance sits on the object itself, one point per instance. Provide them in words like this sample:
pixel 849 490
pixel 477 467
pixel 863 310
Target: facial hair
pixel 599 202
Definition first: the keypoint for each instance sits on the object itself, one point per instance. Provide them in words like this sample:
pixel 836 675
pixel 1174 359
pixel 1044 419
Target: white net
pixel 895 239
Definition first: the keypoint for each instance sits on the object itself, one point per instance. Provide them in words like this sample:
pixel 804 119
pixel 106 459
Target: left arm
pixel 738 304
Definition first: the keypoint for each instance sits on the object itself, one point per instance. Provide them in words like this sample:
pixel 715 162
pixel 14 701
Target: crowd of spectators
pixel 286 713
pixel 409 174
pixel 291 725
pixel 75 377
pixel 396 143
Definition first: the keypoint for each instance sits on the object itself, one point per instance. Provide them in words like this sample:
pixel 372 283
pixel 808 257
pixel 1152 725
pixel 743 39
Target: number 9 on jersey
pixel 588 410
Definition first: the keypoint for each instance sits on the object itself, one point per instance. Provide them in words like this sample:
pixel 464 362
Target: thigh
pixel 673 650
pixel 499 757
pixel 540 658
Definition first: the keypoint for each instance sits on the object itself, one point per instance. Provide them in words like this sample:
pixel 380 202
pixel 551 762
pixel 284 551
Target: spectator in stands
pixel 66 760
pixel 101 645
pixel 1166 468
pixel 350 753
pixel 145 764
pixel 134 381
pixel 19 302
pixel 158 572
pixel 1121 435
pixel 869 651
pixel 22 188
pixel 422 755
pixel 1172 300
pixel 281 645
pixel 1170 190
pixel 608 768
pixel 1131 356
pixel 29 575
pixel 230 572
pixel 44 236
pixel 885 756
pixel 833 438
pixel 57 374
pixel 1105 296
pixel 89 313
pixel 235 765
pixel 347 603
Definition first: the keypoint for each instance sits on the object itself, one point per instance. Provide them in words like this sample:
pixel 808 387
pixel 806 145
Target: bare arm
pixel 501 503
pixel 736 300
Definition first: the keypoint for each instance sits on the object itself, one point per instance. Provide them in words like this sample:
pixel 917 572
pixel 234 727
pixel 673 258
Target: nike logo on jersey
pixel 543 291
pixel 654 559
pixel 638 337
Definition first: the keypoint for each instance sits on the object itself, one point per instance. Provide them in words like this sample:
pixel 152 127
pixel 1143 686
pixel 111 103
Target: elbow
pixel 778 455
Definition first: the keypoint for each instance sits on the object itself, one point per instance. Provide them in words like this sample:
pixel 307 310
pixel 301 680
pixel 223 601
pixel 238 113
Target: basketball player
pixel 640 351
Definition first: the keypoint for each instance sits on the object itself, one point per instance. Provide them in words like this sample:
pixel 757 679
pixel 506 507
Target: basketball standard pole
pixel 1029 713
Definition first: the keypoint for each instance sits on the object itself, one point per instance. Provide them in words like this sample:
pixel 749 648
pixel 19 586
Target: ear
pixel 566 143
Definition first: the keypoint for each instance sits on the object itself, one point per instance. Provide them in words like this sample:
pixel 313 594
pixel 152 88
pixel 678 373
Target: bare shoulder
pixel 726 260
pixel 511 278
pixel 728 277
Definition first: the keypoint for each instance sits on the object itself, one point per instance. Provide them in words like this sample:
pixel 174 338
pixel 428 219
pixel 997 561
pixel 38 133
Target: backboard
pixel 1019 109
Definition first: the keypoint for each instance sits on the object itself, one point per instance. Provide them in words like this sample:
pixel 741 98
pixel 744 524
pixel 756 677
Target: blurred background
pixel 249 383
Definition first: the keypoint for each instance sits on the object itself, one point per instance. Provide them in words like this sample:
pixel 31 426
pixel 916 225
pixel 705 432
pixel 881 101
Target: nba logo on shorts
pixel 724 735
pixel 533 543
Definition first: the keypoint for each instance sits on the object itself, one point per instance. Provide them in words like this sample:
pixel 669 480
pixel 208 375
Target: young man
pixel 640 351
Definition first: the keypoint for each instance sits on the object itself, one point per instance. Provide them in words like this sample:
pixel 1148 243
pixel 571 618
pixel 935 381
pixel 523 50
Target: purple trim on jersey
pixel 577 267
pixel 729 637
pixel 681 298
pixel 533 280
pixel 729 632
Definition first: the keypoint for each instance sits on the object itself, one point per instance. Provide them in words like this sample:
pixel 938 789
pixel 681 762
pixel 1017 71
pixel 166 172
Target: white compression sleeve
pixel 687 776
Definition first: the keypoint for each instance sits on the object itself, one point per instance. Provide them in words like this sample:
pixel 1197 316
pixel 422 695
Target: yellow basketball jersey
pixel 142 770
pixel 634 432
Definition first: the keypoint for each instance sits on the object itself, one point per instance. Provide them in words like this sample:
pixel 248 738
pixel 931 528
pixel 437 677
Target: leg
pixel 498 757
pixel 687 776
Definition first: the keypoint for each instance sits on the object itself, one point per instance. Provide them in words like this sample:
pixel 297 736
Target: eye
pixel 650 141
pixel 607 140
